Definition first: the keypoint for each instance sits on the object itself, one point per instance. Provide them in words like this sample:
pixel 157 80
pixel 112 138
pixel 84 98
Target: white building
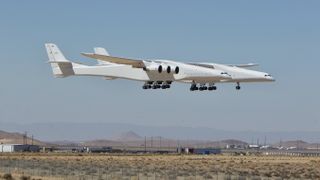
pixel 18 148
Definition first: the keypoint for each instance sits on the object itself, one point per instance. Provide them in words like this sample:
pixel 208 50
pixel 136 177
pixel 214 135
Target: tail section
pixel 61 67
pixel 102 51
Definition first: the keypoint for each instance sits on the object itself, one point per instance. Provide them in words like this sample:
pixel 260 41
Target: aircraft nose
pixel 268 77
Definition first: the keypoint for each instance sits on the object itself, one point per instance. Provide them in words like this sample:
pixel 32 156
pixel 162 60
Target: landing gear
pixel 165 86
pixel 147 85
pixel 238 86
pixel 212 87
pixel 193 87
pixel 203 87
pixel 156 85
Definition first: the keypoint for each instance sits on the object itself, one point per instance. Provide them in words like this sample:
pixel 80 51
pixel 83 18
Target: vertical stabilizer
pixel 54 53
pixel 61 67
pixel 102 51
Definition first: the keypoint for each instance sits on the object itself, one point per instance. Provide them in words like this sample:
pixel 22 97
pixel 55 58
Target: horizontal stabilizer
pixel 62 69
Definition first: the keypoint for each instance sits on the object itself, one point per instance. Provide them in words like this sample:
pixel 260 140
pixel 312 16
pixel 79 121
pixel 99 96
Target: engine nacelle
pixel 176 70
pixel 153 67
pixel 168 69
pixel 172 69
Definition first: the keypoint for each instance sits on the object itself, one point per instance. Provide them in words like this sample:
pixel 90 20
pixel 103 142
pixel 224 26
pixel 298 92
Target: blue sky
pixel 282 36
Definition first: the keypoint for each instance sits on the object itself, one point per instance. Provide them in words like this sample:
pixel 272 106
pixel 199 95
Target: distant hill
pixel 131 138
pixel 80 132
pixel 234 142
pixel 16 138
pixel 294 143
pixel 128 136
pixel 101 142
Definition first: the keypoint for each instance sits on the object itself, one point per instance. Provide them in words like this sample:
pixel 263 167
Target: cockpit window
pixel 267 75
pixel 224 73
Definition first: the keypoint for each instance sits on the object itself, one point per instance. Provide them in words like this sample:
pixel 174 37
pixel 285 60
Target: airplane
pixel 155 73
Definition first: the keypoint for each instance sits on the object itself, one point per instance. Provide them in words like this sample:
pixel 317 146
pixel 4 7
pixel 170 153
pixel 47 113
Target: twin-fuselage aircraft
pixel 155 73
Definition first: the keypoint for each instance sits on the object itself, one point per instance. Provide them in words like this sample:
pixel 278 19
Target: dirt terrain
pixel 104 166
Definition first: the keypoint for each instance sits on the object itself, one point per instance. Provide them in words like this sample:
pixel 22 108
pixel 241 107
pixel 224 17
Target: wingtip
pixel 86 54
pixel 89 55
pixel 49 44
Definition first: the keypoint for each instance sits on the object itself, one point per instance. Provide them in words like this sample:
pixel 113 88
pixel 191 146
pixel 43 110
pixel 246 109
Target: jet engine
pixel 153 67
pixel 172 69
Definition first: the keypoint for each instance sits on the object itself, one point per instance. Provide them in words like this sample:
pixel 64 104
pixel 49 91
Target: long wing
pixel 209 65
pixel 244 65
pixel 133 62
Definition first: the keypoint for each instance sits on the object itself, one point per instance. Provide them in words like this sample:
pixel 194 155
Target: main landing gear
pixel 203 87
pixel 157 85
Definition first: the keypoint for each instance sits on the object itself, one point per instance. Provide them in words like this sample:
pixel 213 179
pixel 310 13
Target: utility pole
pixel 145 144
pixel 25 136
pixel 151 142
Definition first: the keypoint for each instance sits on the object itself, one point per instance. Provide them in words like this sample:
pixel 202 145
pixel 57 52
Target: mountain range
pixel 80 132
pixel 17 138
pixel 132 139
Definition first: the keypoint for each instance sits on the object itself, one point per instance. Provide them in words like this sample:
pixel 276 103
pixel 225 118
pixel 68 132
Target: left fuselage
pixel 243 75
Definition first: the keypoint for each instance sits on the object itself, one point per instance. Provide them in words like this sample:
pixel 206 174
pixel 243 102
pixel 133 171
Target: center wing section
pixel 133 62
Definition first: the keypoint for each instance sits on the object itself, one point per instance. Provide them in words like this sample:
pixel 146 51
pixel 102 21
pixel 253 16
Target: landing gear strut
pixel 194 87
pixel 238 86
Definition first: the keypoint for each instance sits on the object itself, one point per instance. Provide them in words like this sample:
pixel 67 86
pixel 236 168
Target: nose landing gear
pixel 238 86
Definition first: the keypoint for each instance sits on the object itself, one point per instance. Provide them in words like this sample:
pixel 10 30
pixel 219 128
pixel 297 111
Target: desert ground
pixel 53 166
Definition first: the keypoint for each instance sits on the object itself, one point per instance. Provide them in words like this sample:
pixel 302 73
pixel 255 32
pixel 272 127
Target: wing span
pixel 208 65
pixel 244 65
pixel 117 60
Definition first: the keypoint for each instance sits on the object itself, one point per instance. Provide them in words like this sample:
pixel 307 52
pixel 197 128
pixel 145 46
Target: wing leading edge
pixel 117 60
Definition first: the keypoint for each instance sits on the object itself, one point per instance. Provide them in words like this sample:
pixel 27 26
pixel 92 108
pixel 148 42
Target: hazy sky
pixel 282 36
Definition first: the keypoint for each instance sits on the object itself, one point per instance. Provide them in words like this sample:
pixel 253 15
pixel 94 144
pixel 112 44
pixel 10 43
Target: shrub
pixel 25 178
pixel 7 177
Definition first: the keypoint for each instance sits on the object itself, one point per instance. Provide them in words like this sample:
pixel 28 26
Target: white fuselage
pixel 188 73
pixel 242 74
